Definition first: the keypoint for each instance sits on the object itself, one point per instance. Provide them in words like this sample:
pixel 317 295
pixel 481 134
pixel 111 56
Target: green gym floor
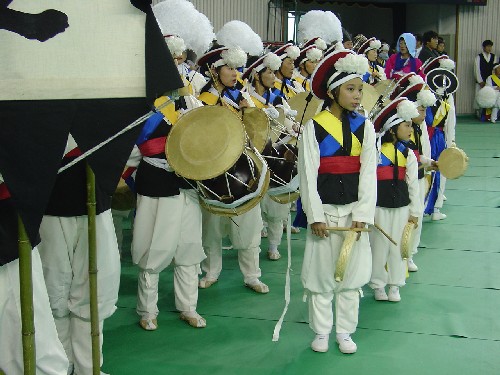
pixel 448 321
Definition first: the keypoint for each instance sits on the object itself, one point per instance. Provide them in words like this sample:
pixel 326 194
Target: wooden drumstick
pixel 385 234
pixel 345 229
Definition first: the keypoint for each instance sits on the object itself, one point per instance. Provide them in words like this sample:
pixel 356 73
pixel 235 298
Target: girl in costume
pixel 398 200
pixel 404 61
pixel 337 163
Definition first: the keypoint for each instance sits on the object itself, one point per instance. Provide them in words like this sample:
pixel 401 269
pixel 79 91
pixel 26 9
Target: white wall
pixel 475 25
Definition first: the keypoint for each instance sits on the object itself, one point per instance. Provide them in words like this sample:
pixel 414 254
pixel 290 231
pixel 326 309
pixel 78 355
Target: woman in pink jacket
pixel 404 61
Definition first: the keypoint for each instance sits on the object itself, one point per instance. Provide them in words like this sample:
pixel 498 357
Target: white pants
pixel 274 214
pixel 118 217
pixel 440 197
pixel 244 232
pixel 393 221
pixel 64 254
pixel 185 290
pixel 167 230
pixel 50 356
pixel 422 187
pixel 320 259
pixel 346 312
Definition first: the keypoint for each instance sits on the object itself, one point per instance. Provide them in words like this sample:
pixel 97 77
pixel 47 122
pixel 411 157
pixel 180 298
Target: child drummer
pixel 398 199
pixel 337 164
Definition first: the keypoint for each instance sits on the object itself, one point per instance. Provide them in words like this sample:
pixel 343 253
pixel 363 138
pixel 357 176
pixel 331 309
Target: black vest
pixel 393 193
pixel 339 189
pixel 155 182
pixel 486 68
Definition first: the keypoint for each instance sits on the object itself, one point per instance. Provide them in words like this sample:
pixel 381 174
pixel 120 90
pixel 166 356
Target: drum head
pixel 407 240
pixel 370 97
pixel 345 254
pixel 248 205
pixel 452 163
pixel 304 108
pixel 205 142
pixel 257 127
pixel 382 86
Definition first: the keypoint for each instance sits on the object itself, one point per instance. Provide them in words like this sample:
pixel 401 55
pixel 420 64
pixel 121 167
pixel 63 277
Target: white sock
pixel 273 248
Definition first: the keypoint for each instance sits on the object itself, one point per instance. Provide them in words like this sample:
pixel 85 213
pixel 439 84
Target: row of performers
pixel 346 180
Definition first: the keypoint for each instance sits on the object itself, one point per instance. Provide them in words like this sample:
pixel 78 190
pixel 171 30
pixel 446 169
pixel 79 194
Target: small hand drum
pixel 453 163
pixel 407 240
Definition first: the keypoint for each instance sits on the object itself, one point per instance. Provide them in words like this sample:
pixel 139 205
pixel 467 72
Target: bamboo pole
pixel 94 313
pixel 26 292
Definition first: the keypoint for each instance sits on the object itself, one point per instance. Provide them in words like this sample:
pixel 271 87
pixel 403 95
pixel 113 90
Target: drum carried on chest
pixel 209 146
pixel 453 162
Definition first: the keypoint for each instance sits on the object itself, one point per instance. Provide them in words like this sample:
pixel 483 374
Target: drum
pixel 407 240
pixel 345 254
pixel 237 190
pixel 209 145
pixel 306 105
pixel 453 162
pixel 370 97
pixel 384 86
pixel 205 142
pixel 123 199
pixel 257 128
pixel 281 158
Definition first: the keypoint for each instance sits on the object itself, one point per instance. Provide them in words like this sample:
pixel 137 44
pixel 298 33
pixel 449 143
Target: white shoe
pixel 444 198
pixel 438 216
pixel 412 267
pixel 320 343
pixel 380 294
pixel 263 233
pixel 394 294
pixel 346 345
pixel 206 282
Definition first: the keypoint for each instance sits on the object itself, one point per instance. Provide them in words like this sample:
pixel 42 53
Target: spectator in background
pixel 347 39
pixel 419 44
pixel 383 54
pixel 441 46
pixel 483 67
pixel 429 50
pixel 404 60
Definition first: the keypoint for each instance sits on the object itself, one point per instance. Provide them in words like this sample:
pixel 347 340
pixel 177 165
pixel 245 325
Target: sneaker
pixel 394 294
pixel 438 216
pixel 295 230
pixel 412 267
pixel 320 343
pixel 444 198
pixel 263 233
pixel 380 294
pixel 346 345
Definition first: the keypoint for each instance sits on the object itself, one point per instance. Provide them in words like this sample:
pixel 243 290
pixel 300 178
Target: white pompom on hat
pixel 180 18
pixel 238 34
pixel 487 97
